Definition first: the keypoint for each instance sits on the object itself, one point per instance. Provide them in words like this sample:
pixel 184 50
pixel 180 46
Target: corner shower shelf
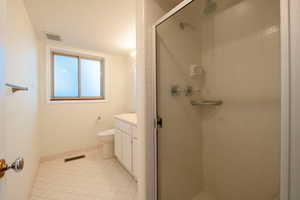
pixel 207 102
pixel 16 88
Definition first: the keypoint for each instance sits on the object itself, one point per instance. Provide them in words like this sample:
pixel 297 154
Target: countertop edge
pixel 125 120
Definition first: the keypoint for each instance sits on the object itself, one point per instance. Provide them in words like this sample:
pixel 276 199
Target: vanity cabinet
pixel 127 151
pixel 134 156
pixel 118 144
pixel 126 143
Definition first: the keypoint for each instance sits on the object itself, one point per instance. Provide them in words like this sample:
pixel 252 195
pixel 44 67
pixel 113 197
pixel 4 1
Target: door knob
pixel 17 166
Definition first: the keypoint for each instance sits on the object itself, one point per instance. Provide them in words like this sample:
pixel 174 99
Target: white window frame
pixel 80 53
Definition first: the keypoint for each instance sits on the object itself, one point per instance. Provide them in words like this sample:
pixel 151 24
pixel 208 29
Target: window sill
pixel 77 101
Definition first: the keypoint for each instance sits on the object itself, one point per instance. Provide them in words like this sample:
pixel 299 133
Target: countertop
pixel 128 117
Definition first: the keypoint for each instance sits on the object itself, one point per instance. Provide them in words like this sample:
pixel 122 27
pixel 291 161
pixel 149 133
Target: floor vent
pixel 74 158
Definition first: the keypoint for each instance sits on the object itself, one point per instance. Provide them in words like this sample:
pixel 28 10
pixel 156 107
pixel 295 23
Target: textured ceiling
pixel 102 25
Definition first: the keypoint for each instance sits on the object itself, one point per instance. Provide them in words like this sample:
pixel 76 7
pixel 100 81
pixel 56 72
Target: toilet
pixel 107 141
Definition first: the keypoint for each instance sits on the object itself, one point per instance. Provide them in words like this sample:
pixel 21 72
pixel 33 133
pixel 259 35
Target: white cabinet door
pixel 134 132
pixel 118 144
pixel 127 151
pixel 135 158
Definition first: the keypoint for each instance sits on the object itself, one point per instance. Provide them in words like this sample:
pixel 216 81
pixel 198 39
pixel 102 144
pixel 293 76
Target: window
pixel 77 77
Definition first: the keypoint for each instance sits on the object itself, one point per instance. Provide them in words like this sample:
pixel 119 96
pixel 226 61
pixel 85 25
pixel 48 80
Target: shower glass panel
pixel 218 95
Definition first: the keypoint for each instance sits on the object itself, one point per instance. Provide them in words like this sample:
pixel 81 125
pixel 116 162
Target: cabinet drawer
pixel 123 126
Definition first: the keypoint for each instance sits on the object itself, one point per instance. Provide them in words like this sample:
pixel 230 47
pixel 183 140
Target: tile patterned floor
pixel 91 178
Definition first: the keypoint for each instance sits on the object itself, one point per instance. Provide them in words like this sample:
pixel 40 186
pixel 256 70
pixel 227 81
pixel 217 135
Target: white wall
pixel 21 109
pixel 132 84
pixel 295 98
pixel 2 66
pixel 73 126
pixel 148 12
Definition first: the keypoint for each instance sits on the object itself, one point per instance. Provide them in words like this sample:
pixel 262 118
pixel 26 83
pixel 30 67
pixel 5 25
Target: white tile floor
pixel 91 178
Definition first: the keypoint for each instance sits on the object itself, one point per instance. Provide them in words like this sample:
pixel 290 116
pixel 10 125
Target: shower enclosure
pixel 218 101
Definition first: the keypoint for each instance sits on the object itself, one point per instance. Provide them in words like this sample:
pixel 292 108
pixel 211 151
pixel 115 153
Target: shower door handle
pixel 159 122
pixel 207 102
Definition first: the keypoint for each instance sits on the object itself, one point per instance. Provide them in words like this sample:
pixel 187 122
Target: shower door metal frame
pixel 285 180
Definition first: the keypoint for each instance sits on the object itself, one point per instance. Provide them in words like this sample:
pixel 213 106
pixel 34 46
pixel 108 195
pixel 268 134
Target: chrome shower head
pixel 211 6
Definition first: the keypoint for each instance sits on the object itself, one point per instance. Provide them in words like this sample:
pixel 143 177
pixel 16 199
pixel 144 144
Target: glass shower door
pixel 218 94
